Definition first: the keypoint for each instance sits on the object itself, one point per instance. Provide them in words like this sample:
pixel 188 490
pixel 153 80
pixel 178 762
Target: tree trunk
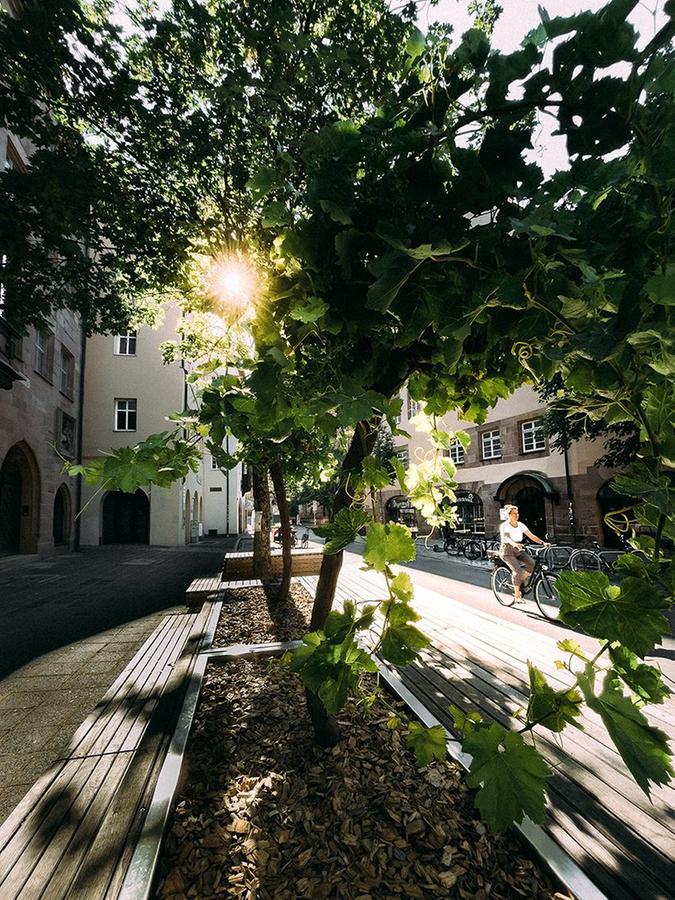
pixel 325 727
pixel 277 473
pixel 262 555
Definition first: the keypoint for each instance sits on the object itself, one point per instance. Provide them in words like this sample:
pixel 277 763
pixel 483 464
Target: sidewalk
pixel 70 625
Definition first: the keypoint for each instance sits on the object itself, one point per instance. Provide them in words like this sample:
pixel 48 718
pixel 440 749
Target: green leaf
pixel 661 288
pixel 336 212
pixel 343 529
pixel 401 644
pixel 334 692
pixel 510 774
pixel 646 682
pixel 310 310
pixel 415 44
pixel 402 587
pixel 428 743
pixel 425 251
pixel 340 623
pixel 391 543
pixel 392 272
pixel 552 709
pixel 375 475
pixel 628 613
pixel 275 214
pixel 262 182
pixel 399 468
pixel 643 748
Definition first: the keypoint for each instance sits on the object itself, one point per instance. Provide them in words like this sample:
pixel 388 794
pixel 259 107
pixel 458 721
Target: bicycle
pixel 304 541
pixel 541 585
pixel 594 559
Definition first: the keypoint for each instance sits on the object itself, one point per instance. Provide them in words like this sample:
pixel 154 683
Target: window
pixel 401 453
pixel 413 407
pixel 66 371
pixel 125 415
pixel 533 436
pixel 456 453
pixel 214 463
pixel 44 353
pixel 492 445
pixel 125 344
pixel 4 260
pixel 13 160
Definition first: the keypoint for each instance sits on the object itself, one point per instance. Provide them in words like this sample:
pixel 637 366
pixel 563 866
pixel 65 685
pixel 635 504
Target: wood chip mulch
pixel 265 813
pixel 253 616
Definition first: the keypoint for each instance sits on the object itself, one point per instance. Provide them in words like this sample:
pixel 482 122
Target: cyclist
pixel 304 542
pixel 511 533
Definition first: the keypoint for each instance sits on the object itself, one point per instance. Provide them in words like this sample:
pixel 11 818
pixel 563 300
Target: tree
pixel 413 242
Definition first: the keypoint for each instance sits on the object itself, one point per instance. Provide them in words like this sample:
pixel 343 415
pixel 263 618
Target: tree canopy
pixel 406 238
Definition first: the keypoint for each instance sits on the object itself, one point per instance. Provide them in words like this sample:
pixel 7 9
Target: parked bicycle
pixel 541 585
pixel 595 559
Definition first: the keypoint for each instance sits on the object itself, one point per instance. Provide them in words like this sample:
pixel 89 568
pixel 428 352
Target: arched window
pixel 62 517
pixel 19 501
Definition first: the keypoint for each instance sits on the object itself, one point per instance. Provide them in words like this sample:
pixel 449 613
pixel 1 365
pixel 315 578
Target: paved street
pixel 70 625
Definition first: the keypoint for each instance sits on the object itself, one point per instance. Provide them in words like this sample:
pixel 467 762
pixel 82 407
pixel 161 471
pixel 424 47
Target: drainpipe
pixel 80 429
pixel 570 493
pixel 227 489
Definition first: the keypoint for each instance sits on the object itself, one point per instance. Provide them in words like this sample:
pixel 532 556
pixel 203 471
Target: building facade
pixel 509 460
pixel 40 418
pixel 129 393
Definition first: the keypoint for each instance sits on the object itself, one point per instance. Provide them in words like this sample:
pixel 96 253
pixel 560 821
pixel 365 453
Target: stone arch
pixel 19 501
pixel 187 515
pixel 530 491
pixel 62 516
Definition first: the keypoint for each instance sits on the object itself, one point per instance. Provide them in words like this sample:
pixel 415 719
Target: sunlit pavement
pixel 467 583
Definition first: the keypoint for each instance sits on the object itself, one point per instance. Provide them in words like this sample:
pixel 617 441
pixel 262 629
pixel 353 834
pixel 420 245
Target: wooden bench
pixel 238 565
pixel 73 834
pixel 200 589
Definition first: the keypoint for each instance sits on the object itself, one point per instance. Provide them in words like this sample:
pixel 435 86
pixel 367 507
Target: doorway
pixel 19 501
pixel 532 509
pixel 126 518
pixel 61 517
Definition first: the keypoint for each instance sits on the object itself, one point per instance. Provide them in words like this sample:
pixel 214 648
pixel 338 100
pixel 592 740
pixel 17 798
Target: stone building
pixel 40 418
pixel 129 393
pixel 509 461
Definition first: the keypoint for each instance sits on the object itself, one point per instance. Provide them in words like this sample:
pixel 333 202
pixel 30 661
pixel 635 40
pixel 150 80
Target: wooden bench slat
pixel 75 826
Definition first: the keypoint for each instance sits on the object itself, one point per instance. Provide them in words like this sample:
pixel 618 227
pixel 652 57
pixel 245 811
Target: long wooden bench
pixel 200 589
pixel 238 565
pixel 74 833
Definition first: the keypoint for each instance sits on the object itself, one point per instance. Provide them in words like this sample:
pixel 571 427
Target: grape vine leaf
pixel 628 613
pixel 401 643
pixel 428 743
pixel 391 543
pixel 643 748
pixel 646 682
pixel 552 709
pixel 510 775
pixel 343 530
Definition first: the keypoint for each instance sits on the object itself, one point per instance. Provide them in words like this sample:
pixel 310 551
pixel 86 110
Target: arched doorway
pixel 61 517
pixel 470 514
pixel 188 510
pixel 400 509
pixel 529 491
pixel 19 501
pixel 609 499
pixel 126 518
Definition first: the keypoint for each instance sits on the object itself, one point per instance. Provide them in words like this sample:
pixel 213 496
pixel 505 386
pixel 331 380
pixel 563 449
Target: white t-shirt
pixel 514 532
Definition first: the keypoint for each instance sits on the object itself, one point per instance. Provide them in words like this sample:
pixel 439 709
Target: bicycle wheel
pixel 502 586
pixel 546 595
pixel 472 549
pixel 452 547
pixel 584 561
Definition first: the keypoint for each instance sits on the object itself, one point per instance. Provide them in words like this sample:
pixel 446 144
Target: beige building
pixel 509 461
pixel 129 393
pixel 40 415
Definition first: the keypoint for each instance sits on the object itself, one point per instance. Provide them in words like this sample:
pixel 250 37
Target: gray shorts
pixel 515 560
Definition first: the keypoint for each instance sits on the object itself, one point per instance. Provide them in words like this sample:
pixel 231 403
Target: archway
pixel 126 518
pixel 19 501
pixel 400 509
pixel 187 512
pixel 470 514
pixel 62 517
pixel 529 491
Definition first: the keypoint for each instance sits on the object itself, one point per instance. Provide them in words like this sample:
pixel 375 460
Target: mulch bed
pixel 264 813
pixel 250 616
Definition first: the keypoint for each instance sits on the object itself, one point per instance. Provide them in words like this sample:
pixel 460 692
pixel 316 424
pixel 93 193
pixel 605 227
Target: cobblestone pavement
pixel 70 624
